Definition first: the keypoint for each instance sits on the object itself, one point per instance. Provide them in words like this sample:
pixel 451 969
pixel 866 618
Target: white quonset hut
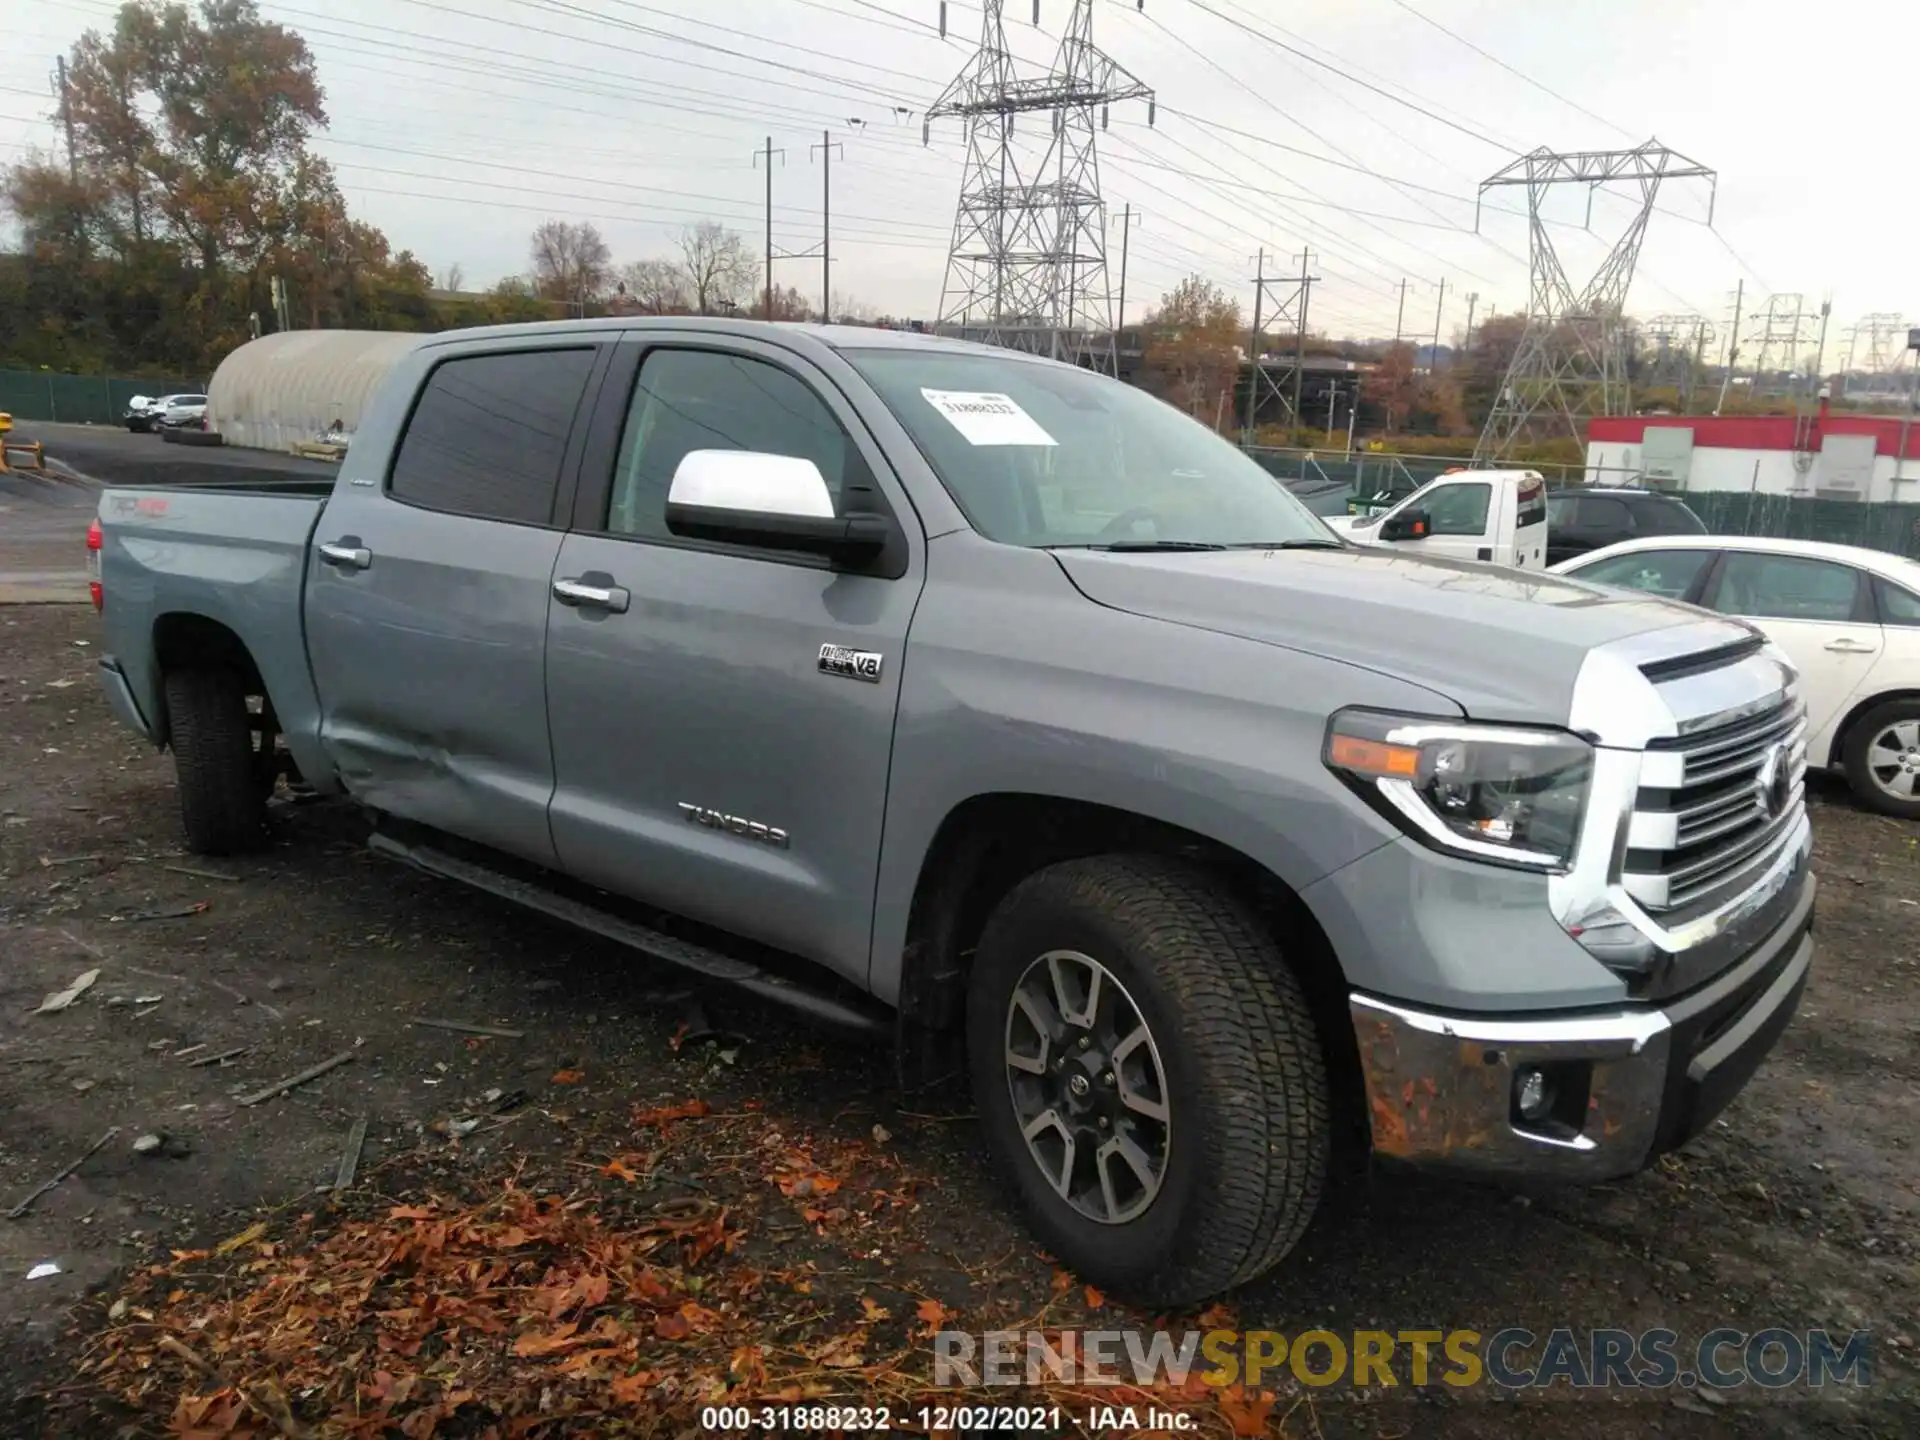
pixel 281 389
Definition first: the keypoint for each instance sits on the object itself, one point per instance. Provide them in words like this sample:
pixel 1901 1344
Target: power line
pixel 1517 74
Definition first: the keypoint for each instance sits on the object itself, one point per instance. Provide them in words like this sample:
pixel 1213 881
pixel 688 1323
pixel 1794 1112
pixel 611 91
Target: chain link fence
pixel 30 395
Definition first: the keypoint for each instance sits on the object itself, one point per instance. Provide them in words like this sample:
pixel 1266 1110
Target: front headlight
pixel 1492 792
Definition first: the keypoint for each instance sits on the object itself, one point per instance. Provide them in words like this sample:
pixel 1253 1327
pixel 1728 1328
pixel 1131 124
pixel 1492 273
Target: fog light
pixel 1534 1094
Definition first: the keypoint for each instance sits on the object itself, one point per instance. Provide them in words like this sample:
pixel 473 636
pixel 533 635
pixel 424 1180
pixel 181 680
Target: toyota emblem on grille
pixel 1772 783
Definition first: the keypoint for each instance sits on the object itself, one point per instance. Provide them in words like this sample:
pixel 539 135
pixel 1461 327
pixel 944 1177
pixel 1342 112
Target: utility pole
pixel 1733 346
pixel 826 147
pixel 1253 338
pixel 1439 309
pixel 73 160
pixel 1120 315
pixel 1815 380
pixel 1300 331
pixel 768 155
pixel 1399 321
pixel 1473 299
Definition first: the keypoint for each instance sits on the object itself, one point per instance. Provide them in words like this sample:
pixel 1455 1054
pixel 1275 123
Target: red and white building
pixel 1824 456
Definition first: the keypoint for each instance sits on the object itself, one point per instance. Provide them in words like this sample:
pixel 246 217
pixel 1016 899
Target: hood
pixel 1506 645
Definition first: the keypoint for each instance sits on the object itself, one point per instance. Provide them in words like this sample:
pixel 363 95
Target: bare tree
pixel 452 278
pixel 571 262
pixel 851 310
pixel 657 287
pixel 716 265
pixel 788 304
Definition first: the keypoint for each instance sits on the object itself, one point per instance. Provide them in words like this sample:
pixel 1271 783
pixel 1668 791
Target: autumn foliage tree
pixel 191 187
pixel 1191 352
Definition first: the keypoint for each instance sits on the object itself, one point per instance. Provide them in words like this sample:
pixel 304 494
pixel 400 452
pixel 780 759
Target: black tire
pixel 1249 1135
pixel 1858 757
pixel 222 798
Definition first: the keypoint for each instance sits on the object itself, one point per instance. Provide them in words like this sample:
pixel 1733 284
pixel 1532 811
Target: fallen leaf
pixel 618 1169
pixel 932 1314
pixel 675 1040
pixel 843 1352
pixel 411 1212
pixel 665 1114
pixel 1249 1415
pixel 545 1342
pixel 873 1309
pixel 1062 1282
pixel 672 1327
pixel 246 1237
pixel 1094 1298
pixel 568 1077
pixel 632 1389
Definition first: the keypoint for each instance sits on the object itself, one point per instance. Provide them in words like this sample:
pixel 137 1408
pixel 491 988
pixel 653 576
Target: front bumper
pixel 1628 1083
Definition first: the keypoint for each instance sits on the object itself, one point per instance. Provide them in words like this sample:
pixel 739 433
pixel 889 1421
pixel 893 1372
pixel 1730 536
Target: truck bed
pixel 228 553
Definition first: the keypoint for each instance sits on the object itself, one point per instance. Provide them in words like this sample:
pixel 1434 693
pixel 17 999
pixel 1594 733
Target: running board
pixel 712 964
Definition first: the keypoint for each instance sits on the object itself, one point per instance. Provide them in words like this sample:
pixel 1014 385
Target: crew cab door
pixel 707 759
pixel 427 594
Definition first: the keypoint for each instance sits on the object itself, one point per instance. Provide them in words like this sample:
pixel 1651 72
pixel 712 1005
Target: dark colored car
pixel 1588 518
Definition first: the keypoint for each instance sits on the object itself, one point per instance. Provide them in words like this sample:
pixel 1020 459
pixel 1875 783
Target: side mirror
pixel 778 502
pixel 1407 525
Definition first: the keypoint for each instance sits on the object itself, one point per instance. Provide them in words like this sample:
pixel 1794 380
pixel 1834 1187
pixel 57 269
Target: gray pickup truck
pixel 962 695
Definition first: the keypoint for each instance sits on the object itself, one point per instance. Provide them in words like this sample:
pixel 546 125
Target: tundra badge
pixel 850 664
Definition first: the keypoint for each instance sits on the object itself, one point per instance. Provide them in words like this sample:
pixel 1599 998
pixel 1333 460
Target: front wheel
pixel 1149 1076
pixel 1882 758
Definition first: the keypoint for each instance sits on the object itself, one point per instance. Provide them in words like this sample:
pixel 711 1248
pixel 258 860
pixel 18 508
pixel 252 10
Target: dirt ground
pixel 834 1211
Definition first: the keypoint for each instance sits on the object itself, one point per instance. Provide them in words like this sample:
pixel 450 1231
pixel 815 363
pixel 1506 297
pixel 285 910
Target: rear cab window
pixel 488 434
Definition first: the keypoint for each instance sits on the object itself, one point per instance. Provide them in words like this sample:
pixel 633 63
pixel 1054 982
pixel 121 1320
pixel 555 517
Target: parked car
pixel 937 689
pixel 142 411
pixel 1499 516
pixel 183 412
pixel 1585 518
pixel 1848 619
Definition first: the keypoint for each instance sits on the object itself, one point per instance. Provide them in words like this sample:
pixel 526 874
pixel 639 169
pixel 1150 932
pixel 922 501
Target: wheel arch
pixel 988 843
pixel 184 639
pixel 1837 751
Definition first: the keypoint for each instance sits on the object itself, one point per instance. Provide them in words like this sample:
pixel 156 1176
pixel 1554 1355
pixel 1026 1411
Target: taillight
pixel 94 592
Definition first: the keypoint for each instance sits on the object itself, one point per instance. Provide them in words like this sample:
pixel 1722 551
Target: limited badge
pixel 850 664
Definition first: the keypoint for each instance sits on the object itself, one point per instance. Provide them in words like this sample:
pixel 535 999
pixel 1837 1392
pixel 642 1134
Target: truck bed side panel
pixel 235 558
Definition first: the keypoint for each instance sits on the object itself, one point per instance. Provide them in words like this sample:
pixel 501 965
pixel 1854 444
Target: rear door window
pixel 1669 574
pixel 1660 516
pixel 488 433
pixel 1786 587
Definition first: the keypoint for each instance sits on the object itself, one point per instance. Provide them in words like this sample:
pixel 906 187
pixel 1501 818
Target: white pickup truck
pixel 1493 515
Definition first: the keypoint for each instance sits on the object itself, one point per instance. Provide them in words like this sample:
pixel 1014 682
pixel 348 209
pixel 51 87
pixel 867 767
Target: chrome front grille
pixel 1710 812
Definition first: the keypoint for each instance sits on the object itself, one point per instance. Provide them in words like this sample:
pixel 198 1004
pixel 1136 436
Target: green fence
pixel 30 395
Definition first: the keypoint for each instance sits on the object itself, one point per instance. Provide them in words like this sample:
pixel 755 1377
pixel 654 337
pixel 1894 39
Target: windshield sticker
pixel 987 419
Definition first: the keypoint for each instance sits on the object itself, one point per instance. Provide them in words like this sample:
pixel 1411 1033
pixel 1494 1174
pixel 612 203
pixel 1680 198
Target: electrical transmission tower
pixel 1680 345
pixel 1028 267
pixel 1571 362
pixel 1874 349
pixel 1779 340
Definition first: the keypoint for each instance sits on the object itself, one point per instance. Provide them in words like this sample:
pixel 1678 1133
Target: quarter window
pixel 707 400
pixel 1786 587
pixel 489 432
pixel 1897 606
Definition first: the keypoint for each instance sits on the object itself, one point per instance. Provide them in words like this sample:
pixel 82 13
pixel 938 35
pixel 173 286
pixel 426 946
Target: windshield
pixel 1041 455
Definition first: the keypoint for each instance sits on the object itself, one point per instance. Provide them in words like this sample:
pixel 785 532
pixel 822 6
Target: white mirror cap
pixel 749 480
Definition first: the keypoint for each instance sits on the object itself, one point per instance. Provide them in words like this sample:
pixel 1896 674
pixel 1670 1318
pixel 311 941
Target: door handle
pixel 346 557
pixel 1850 647
pixel 582 596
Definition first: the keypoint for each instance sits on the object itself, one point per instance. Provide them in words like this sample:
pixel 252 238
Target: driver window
pixel 708 400
pixel 1459 509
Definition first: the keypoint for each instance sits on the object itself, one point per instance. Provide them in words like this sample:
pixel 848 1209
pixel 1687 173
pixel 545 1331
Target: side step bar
pixel 712 964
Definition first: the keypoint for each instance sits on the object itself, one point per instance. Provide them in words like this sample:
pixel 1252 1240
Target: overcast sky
pixel 458 125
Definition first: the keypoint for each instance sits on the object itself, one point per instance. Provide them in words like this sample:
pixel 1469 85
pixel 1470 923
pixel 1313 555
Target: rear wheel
pixel 222 769
pixel 1882 758
pixel 1148 1075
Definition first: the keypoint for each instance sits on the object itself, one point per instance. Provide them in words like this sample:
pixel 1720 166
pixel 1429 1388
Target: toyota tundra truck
pixel 995 706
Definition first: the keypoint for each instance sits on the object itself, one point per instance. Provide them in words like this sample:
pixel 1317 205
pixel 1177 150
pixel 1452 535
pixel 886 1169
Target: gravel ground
pixel 1796 1210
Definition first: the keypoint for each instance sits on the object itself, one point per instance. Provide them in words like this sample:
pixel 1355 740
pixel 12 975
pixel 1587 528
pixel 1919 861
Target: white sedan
pixel 1848 618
